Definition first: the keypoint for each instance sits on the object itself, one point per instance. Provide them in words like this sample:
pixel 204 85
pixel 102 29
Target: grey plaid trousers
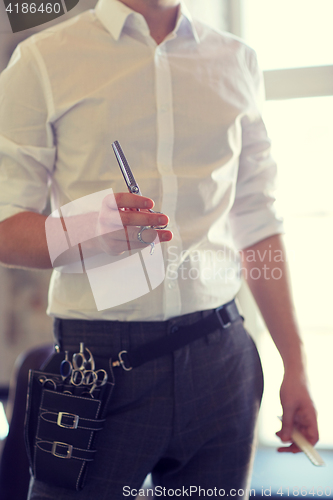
pixel 187 418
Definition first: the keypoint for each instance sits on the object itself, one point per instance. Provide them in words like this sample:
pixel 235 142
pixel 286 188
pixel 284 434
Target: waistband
pixel 107 338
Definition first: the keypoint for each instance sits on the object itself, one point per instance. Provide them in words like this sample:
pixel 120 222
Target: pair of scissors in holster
pixel 81 371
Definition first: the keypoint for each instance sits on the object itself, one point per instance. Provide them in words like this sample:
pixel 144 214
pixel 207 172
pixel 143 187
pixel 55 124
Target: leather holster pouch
pixel 62 425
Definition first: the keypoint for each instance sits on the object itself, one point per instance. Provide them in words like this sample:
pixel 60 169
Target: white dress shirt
pixel 188 115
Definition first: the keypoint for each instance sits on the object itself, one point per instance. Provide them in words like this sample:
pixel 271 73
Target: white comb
pixel 306 447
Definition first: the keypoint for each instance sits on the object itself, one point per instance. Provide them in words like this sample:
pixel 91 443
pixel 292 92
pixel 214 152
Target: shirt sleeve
pixel 27 150
pixel 253 216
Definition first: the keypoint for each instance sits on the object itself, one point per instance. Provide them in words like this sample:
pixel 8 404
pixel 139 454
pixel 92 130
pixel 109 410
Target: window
pixel 295 34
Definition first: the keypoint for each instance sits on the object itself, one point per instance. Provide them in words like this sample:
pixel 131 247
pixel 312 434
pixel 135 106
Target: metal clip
pixel 74 424
pixel 121 362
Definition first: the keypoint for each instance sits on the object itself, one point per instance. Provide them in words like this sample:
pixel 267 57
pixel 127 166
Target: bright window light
pixel 211 12
pixel 4 428
pixel 289 33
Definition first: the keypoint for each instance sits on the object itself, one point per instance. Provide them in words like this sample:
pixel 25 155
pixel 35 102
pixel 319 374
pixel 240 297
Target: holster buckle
pixel 68 451
pixel 73 425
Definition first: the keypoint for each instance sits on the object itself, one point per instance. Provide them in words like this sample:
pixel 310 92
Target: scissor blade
pixel 125 169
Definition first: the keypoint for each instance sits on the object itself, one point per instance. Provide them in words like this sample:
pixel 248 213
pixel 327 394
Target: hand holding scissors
pixel 136 215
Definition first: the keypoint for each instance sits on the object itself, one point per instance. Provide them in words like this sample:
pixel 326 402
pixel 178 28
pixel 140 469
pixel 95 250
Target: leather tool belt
pixel 64 416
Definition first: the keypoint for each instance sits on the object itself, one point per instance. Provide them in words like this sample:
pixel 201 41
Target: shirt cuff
pixel 7 211
pixel 253 227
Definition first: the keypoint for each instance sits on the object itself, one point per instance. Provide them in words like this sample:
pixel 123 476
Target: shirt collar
pixel 113 14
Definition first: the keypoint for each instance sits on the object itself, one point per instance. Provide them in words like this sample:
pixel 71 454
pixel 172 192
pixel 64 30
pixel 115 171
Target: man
pixel 184 101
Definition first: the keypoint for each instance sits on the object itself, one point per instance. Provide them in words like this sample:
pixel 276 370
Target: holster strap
pixel 180 335
pixel 66 451
pixel 71 420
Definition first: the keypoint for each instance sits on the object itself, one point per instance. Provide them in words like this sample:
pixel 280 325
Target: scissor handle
pixel 44 381
pixel 77 378
pixel 65 367
pixel 157 227
pixel 91 360
pixel 100 380
pixel 80 362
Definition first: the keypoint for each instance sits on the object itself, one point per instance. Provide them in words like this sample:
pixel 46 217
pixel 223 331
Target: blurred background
pixel 294 43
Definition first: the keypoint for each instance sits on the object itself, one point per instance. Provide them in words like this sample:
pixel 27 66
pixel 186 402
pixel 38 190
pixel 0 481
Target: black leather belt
pixel 180 335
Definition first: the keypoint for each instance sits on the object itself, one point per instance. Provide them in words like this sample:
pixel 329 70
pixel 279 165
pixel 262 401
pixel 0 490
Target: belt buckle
pixel 220 318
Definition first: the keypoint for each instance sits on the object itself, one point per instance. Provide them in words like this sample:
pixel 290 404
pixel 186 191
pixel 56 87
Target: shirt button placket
pixel 165 142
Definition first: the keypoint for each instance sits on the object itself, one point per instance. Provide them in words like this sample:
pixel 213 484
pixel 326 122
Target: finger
pixel 293 448
pixel 143 218
pixel 305 421
pixel 129 200
pixel 287 425
pixel 118 242
pixel 311 425
pixel 148 235
pixel 129 209
pixel 130 233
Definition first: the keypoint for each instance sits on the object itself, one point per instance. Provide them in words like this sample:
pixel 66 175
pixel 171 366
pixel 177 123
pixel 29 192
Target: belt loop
pixel 128 330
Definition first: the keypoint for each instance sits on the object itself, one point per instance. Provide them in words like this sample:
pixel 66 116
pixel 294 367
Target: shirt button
pixel 171 285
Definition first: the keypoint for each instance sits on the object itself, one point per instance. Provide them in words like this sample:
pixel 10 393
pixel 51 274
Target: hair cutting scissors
pixel 133 187
pixel 47 382
pixel 80 362
pixel 81 371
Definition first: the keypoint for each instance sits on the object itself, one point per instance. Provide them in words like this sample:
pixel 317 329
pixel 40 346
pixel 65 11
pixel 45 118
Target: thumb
pixel 287 425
